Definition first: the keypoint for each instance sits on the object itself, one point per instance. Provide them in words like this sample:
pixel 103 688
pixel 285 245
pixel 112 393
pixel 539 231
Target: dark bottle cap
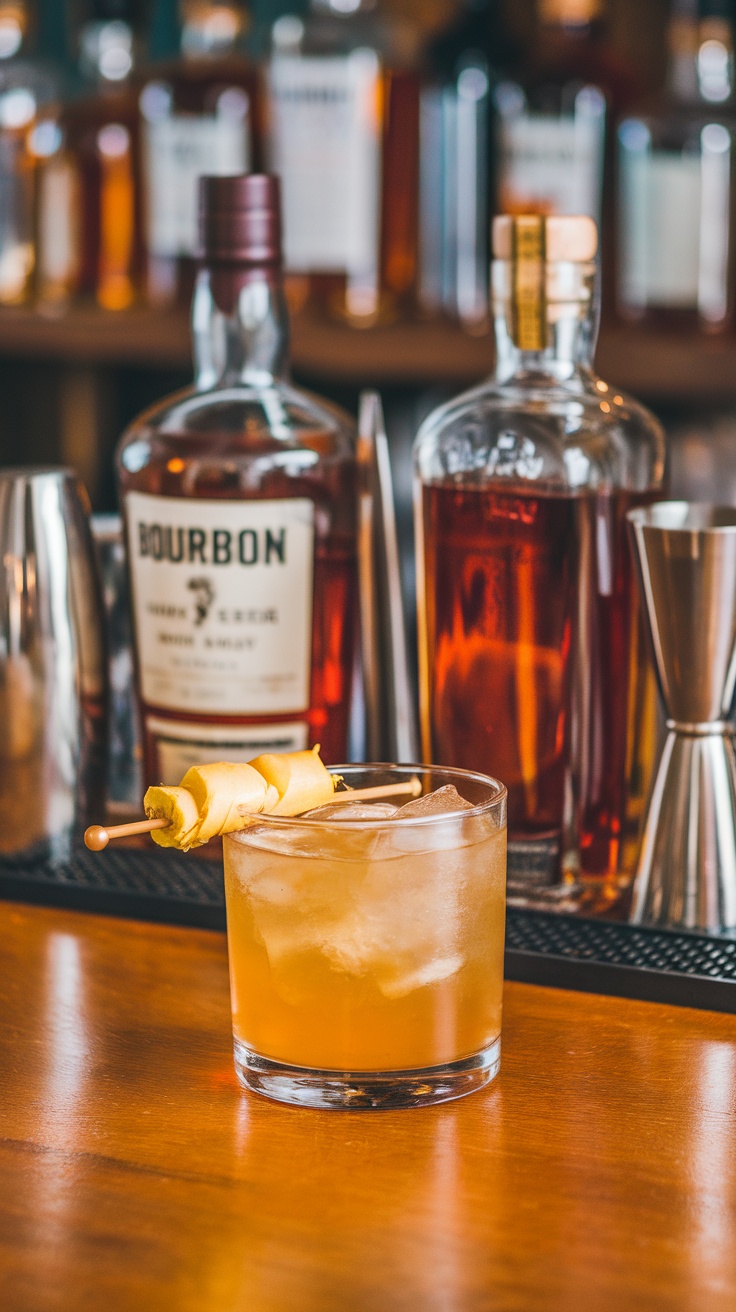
pixel 240 218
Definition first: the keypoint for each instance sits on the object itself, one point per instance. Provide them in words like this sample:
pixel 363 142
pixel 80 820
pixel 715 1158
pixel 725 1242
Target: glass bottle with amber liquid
pixel 533 661
pixel 89 219
pixel 239 497
pixel 199 114
pixel 30 87
pixel 344 138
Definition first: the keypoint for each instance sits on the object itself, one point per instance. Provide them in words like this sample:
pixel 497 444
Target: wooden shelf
pixel 657 366
pixel 87 335
pixel 669 367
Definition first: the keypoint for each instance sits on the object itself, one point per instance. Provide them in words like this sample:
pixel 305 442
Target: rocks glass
pixel 366 946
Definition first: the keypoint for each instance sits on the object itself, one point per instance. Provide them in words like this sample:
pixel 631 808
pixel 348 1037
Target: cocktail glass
pixel 366 949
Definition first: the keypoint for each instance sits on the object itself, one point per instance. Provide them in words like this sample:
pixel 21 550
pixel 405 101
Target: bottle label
pixel 552 164
pixel 222 603
pixel 674 225
pixel 58 223
pixel 16 218
pixel 179 746
pixel 325 144
pixel 176 151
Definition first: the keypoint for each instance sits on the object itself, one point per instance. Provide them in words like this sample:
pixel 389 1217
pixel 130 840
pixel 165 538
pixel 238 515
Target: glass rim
pixel 499 796
pixel 686 517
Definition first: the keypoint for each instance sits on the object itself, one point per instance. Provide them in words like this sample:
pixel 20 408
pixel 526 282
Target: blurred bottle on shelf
pixel 53 197
pixel 453 190
pixel 29 90
pixel 344 116
pixel 200 114
pixel 552 120
pixel 89 220
pixel 676 190
pixel 455 168
pixel 533 661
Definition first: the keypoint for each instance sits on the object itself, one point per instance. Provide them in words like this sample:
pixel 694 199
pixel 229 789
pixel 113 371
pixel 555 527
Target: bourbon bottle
pixel 239 497
pixel 533 663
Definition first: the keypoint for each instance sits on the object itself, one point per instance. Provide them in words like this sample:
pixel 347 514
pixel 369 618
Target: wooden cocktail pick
pixel 97 837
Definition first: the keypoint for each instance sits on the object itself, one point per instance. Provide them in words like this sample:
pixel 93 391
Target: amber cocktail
pixel 366 945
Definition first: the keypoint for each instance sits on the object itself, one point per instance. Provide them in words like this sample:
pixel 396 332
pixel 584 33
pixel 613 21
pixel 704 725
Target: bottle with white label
pixel 199 114
pixel 52 228
pixel 676 229
pixel 344 138
pixel 240 504
pixel 552 121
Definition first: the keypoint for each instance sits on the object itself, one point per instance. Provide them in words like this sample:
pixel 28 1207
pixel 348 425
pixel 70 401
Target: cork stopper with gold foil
pixel 530 243
pixel 529 258
pixel 567 237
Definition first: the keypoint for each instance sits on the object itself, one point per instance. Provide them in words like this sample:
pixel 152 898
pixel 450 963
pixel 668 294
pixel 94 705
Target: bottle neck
pixel 107 52
pixel 210 29
pixel 240 326
pixel 340 8
pixel 682 44
pixel 573 15
pixel 164 33
pixel 545 319
pixel 52 44
pixel 13 29
pixel 701 64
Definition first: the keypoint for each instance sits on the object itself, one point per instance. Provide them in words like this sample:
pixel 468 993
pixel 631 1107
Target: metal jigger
pixel 686 874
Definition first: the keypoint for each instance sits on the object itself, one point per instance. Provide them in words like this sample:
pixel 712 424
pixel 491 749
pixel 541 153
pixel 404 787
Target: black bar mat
pixel 562 951
pixel 146 884
pixel 625 961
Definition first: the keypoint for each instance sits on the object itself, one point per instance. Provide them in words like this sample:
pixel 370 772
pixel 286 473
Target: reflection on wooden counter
pixel 599 1170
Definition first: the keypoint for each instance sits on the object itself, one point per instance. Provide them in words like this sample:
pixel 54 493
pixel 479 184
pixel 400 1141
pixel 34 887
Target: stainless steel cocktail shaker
pixel 53 673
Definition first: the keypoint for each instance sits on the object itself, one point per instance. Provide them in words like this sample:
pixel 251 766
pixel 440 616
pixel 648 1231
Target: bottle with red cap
pixel 240 502
pixel 534 665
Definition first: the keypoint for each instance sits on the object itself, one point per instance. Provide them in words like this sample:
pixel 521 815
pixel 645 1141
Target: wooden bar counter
pixel 597 1172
